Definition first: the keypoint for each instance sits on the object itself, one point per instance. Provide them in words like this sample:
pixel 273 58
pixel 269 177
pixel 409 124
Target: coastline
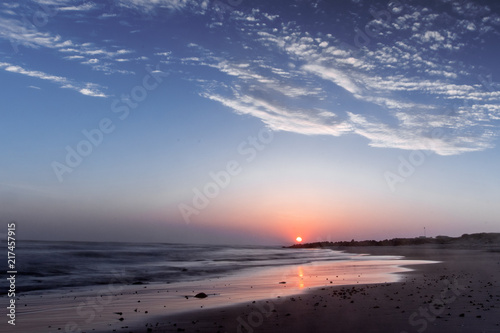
pixel 121 306
pixel 459 294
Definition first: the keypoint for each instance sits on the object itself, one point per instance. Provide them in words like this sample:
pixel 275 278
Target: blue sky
pixel 341 120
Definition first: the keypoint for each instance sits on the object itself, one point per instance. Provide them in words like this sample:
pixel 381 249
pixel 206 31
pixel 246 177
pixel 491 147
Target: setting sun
pixel 298 239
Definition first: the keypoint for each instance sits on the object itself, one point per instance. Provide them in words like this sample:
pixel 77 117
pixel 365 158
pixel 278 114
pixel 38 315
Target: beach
pixel 459 294
pixel 362 289
pixel 109 287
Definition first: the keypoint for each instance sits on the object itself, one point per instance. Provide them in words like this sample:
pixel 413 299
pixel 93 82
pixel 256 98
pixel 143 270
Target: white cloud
pixel 107 15
pixel 83 7
pixel 383 136
pixel 270 17
pixel 165 54
pixel 429 36
pixel 362 76
pixel 92 92
pixel 258 74
pixel 56 3
pixel 88 89
pixel 470 9
pixel 123 51
pixel 149 6
pixel 91 61
pixel 36 74
pixel 403 83
pixel 11 5
pixel 310 122
pixel 74 57
pixel 332 74
pixel 20 34
pixel 9 12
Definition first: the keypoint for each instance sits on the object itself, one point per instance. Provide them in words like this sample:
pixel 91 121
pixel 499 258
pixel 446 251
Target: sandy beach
pixel 459 294
pixel 395 289
pixel 120 304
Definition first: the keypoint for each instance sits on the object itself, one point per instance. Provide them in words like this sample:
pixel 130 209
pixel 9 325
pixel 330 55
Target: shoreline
pixel 122 308
pixel 461 293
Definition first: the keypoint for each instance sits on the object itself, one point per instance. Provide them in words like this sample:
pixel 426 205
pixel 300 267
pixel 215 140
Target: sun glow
pixel 298 239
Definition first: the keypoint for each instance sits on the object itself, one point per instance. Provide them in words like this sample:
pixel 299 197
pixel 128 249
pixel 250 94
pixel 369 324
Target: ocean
pixel 44 266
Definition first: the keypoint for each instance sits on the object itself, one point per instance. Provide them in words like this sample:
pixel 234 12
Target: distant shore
pixel 466 241
pixel 459 294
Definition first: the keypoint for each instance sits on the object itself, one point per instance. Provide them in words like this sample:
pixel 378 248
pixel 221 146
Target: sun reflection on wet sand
pixel 301 277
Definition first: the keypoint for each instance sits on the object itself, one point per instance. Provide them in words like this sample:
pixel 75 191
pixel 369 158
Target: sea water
pixel 57 266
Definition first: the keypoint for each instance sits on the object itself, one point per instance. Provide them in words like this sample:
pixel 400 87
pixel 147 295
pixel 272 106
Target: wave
pixel 56 265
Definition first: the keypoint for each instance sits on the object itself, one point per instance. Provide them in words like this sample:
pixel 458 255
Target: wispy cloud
pixel 279 118
pixel 83 7
pixel 417 138
pixel 88 89
pixel 148 6
pixel 392 91
pixel 20 34
pixel 333 74
pixel 107 15
pixel 413 102
pixel 14 31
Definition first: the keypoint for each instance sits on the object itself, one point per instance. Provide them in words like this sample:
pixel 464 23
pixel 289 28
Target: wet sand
pixel 119 308
pixel 459 294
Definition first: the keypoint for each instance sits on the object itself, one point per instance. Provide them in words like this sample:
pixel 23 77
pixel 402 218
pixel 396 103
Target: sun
pixel 298 239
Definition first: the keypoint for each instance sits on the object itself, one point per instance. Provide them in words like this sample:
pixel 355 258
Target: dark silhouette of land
pixel 466 240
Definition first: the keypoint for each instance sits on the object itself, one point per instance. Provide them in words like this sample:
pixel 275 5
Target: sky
pixel 249 122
